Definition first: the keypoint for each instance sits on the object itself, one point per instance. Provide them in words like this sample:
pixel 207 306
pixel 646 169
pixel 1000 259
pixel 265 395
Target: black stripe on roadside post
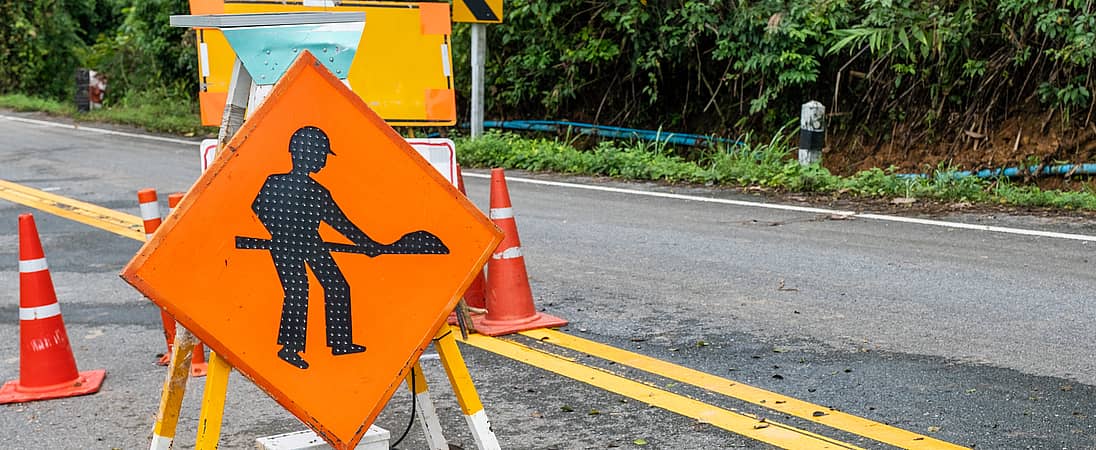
pixel 811 139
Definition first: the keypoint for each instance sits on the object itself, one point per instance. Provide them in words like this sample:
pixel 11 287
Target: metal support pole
pixel 479 55
pixel 812 133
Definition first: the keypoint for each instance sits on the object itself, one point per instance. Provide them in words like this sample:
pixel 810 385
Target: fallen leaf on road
pixel 640 441
pixel 782 288
pixel 934 429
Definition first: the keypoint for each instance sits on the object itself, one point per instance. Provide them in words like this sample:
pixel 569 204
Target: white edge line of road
pixel 882 217
pixel 806 209
pixel 98 130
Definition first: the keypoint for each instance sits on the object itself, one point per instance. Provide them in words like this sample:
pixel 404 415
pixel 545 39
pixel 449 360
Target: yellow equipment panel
pixel 402 68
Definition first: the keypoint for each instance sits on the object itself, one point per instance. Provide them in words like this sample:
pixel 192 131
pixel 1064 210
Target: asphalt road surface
pixel 983 339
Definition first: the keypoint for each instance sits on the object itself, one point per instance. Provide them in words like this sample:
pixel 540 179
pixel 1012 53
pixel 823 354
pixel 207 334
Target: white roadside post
pixel 812 132
pixel 479 55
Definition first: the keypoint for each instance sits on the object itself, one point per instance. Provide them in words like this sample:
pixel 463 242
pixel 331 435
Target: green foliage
pixel 145 53
pixel 673 63
pixel 727 67
pixel 128 41
pixel 968 61
pixel 38 48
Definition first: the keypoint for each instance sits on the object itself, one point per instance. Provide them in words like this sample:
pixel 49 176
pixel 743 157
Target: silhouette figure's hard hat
pixel 310 140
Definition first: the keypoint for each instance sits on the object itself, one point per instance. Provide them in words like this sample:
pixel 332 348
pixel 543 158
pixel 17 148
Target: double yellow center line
pixel 86 213
pixel 754 427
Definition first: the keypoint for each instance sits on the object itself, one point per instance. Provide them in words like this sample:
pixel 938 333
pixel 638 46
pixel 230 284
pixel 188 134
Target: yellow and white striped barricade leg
pixel 466 393
pixel 425 412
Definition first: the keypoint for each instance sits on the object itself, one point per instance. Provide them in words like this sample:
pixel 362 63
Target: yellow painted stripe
pixel 776 402
pixel 97 216
pixel 765 431
pixel 457 371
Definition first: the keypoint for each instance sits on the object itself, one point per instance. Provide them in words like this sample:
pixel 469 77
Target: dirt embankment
pixel 1019 141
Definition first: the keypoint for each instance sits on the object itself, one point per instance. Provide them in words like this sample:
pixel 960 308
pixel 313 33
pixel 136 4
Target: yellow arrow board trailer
pixel 402 68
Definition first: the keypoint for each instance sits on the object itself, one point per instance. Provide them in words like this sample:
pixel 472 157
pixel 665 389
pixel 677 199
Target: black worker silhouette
pixel 291 206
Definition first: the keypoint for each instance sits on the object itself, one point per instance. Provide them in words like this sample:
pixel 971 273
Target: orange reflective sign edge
pixel 319 254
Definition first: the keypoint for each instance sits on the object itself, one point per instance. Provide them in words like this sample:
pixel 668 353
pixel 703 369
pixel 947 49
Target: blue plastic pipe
pixel 1010 172
pixel 554 126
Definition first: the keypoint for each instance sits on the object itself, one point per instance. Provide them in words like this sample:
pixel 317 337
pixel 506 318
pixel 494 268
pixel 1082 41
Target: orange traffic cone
pixel 509 300
pixel 150 215
pixel 47 368
pixel 198 365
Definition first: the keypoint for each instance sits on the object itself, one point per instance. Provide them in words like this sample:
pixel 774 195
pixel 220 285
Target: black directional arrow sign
pixel 477 11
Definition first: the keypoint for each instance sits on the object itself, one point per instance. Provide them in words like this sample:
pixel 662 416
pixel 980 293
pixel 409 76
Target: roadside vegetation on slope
pixel 765 164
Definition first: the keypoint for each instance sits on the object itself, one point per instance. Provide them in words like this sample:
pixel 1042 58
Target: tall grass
pixel 152 110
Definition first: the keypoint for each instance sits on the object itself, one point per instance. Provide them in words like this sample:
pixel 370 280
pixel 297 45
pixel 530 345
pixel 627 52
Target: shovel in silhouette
pixel 413 243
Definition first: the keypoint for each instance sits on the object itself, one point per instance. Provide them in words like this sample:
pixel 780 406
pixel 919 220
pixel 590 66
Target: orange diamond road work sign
pixel 319 254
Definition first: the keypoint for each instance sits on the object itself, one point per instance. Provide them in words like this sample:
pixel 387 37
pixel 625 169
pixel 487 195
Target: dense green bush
pixel 38 47
pixel 725 67
pixel 42 42
pixel 146 54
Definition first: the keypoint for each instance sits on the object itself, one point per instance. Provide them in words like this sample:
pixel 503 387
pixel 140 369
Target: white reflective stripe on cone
pixel 148 236
pixel 40 312
pixel 502 213
pixel 150 210
pixel 33 265
pixel 510 253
